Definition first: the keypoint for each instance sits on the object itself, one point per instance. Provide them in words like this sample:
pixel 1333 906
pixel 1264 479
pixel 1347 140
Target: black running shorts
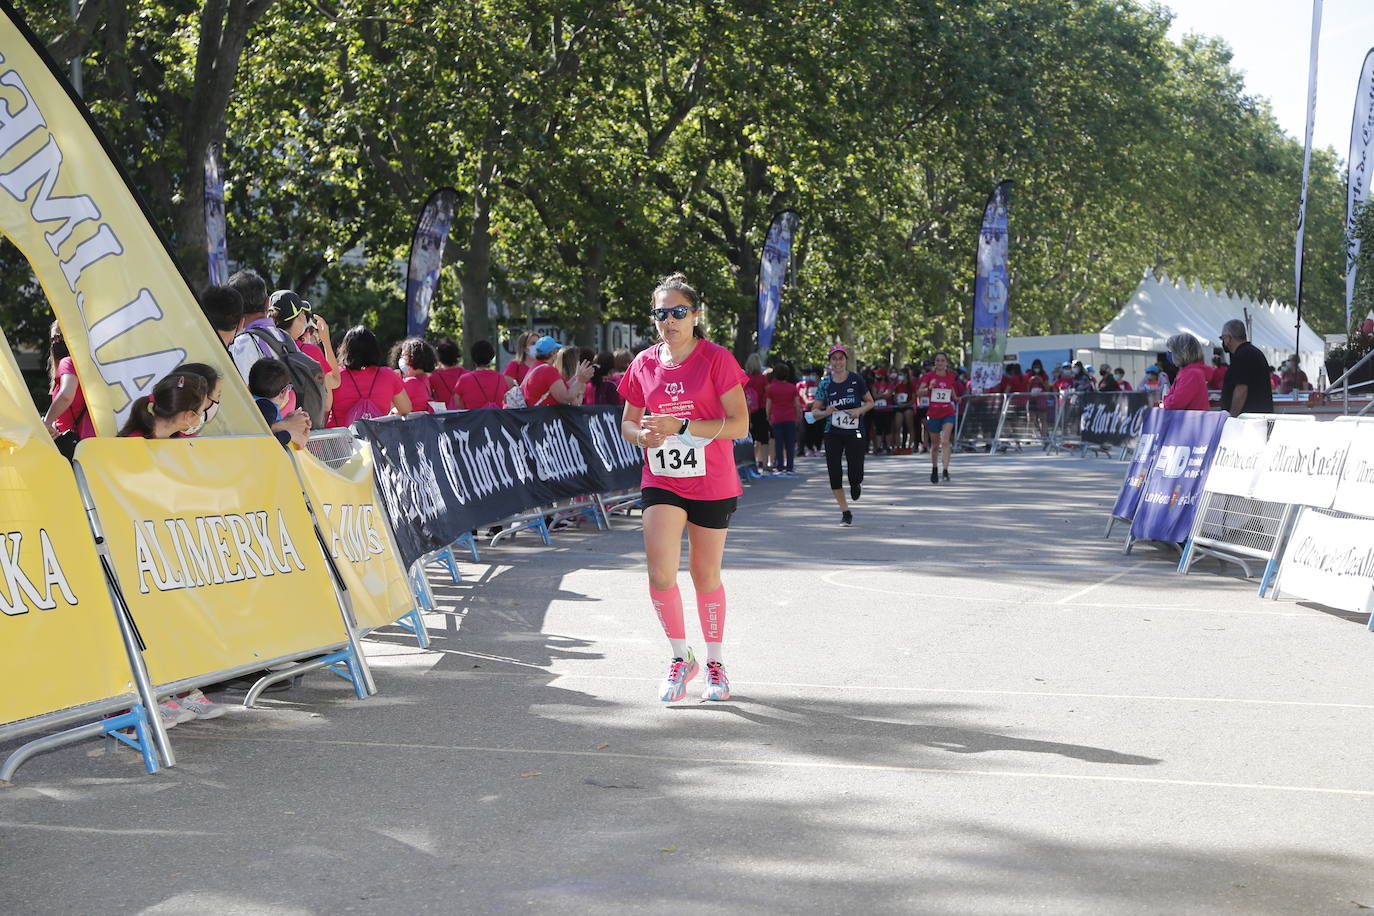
pixel 704 513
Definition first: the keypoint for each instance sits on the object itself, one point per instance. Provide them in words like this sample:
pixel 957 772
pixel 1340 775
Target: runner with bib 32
pixel 684 405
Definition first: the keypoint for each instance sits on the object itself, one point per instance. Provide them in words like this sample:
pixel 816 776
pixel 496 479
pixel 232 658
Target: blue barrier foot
pixel 446 557
pixel 345 666
pixel 470 543
pixel 140 740
pixel 416 624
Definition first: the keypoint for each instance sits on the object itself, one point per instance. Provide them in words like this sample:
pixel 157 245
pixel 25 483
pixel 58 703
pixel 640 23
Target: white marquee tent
pixel 1160 309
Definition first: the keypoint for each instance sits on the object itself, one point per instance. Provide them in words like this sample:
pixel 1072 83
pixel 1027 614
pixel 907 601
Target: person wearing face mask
pixel 173 407
pixel 525 357
pixel 269 382
pixel 545 384
pixel 417 361
pixel 213 387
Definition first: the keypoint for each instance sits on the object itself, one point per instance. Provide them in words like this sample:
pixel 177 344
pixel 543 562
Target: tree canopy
pixel 597 144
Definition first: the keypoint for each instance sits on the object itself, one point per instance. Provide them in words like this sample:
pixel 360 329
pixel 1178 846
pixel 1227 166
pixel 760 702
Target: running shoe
pixel 934 476
pixel 946 475
pixel 717 684
pixel 172 714
pixel 846 518
pixel 200 705
pixel 854 491
pixel 679 673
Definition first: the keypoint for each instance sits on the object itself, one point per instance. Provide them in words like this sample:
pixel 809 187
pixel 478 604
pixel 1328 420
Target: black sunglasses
pixel 678 311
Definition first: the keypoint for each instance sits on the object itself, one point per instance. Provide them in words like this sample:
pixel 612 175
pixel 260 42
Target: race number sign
pixel 675 458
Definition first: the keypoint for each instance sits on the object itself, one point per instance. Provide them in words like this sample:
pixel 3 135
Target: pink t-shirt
pixel 941 405
pixel 1189 390
pixel 781 398
pixel 517 370
pixel 315 352
pixel 77 412
pixel 420 392
pixel 754 387
pixel 482 388
pixel 378 384
pixel 444 383
pixel 537 384
pixel 691 391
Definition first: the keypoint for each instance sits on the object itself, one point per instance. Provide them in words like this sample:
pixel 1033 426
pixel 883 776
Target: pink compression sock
pixel 711 610
pixel 668 605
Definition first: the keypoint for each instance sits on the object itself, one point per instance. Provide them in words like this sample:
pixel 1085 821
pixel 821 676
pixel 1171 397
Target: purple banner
pixel 426 257
pixel 1174 483
pixel 777 254
pixel 216 236
pixel 990 287
pixel 1358 171
pixel 1146 451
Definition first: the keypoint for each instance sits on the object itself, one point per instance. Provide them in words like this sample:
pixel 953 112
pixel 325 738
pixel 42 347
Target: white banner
pixel 1356 491
pixel 1330 560
pixel 1236 463
pixel 1302 463
pixel 1357 184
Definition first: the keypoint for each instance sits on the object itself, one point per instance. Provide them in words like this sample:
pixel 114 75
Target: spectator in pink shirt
pixel 1189 390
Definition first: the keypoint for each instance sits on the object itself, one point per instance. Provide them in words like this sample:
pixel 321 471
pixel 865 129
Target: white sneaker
pixel 717 684
pixel 199 704
pixel 171 708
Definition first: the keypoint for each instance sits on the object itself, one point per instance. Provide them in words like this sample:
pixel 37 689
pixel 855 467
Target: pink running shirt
pixel 947 382
pixel 691 391
pixel 781 397
pixel 482 388
pixel 537 384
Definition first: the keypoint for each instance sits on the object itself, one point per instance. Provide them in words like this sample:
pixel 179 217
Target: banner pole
pixel 128 629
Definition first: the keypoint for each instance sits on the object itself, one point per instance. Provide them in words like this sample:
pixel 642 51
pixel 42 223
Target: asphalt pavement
pixel 969 702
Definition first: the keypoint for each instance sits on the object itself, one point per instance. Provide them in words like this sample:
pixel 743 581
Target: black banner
pixel 1112 419
pixel 442 476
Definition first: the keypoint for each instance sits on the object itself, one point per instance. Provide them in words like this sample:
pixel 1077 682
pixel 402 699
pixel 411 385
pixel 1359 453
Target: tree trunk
pixel 477 263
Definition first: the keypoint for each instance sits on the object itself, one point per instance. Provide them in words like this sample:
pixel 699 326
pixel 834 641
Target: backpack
pixel 515 397
pixel 751 397
pixel 363 408
pixel 307 378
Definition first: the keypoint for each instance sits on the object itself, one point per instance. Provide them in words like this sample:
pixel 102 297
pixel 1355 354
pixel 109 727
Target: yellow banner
pixel 126 312
pixel 214 551
pixel 355 529
pixel 18 419
pixel 59 641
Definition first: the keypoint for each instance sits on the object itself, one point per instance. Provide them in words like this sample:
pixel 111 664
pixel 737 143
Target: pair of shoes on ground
pixel 194 705
pixel 935 475
pixel 682 670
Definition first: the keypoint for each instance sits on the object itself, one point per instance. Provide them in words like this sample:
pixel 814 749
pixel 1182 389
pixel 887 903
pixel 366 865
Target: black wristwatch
pixel 682 431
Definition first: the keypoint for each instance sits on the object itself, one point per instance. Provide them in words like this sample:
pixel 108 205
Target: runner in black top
pixel 842 400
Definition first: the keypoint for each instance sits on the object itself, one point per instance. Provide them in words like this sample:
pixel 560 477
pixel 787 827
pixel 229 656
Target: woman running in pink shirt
pixel 684 405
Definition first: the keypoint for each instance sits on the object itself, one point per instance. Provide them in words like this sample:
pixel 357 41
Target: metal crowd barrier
pixel 333 446
pixel 1050 420
pixel 978 423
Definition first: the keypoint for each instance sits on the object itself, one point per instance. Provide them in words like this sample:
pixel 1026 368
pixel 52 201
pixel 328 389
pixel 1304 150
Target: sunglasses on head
pixel 678 311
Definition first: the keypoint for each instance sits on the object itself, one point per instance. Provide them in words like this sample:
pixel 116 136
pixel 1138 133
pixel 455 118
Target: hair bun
pixel 678 277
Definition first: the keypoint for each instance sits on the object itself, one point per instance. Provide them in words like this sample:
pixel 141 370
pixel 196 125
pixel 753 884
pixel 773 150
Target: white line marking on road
pixel 105 831
pixel 1107 581
pixel 831 578
pixel 880 688
pixel 795 764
